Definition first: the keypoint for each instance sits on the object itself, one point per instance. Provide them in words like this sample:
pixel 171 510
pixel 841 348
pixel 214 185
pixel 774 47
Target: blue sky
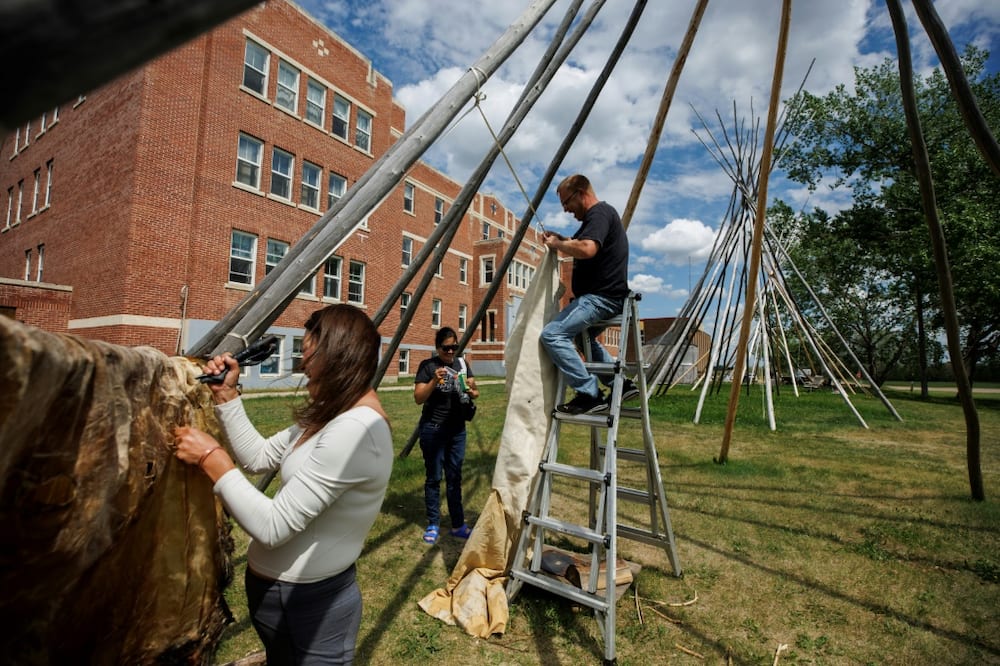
pixel 423 46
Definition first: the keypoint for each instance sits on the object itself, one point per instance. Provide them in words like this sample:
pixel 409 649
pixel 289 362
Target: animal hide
pixel 111 550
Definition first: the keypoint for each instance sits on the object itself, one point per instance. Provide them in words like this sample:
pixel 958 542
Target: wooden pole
pixel 922 167
pixel 758 229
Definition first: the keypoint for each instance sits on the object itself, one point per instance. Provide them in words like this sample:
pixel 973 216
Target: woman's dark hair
pixel 443 334
pixel 342 363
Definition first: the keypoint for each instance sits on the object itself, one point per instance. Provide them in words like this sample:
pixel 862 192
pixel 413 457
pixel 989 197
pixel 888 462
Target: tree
pixel 857 139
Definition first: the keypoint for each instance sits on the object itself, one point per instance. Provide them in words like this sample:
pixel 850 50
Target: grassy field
pixel 843 544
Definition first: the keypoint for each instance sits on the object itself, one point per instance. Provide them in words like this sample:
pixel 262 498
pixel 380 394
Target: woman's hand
pixel 196 447
pixel 227 390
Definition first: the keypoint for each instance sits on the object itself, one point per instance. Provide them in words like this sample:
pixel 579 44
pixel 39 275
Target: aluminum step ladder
pixel 600 528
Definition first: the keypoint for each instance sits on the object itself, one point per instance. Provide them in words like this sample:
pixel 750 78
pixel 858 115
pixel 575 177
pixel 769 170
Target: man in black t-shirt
pixel 600 284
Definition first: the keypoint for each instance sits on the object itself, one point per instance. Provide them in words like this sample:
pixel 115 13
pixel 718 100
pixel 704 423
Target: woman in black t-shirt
pixel 442 384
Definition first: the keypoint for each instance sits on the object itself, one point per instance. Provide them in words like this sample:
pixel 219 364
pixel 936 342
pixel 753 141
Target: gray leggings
pixel 306 624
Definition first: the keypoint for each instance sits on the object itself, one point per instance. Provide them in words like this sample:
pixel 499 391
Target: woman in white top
pixel 334 463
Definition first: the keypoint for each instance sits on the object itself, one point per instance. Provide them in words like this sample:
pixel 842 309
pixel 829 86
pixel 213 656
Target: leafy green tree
pixel 857 138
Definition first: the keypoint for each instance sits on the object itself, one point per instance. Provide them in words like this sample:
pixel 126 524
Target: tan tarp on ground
pixel 474 596
pixel 110 549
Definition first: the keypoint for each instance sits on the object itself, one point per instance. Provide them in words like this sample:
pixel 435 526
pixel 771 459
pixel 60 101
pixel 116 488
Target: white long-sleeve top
pixel 332 487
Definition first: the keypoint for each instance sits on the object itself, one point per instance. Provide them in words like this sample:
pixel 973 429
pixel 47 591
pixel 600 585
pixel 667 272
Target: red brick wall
pixel 44 306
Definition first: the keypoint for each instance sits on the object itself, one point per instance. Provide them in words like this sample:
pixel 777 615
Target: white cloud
pixel 680 241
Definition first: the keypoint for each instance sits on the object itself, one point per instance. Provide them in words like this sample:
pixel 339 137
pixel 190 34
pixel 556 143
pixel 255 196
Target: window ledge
pixel 281 200
pixel 246 188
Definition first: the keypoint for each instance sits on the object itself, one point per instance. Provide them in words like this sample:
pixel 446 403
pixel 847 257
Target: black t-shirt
pixel 606 273
pixel 443 406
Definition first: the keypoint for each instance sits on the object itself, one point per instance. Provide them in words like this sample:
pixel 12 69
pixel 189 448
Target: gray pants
pixel 306 624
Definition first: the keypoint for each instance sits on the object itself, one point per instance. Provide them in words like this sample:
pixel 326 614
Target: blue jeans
pixel 306 623
pixel 559 334
pixel 444 449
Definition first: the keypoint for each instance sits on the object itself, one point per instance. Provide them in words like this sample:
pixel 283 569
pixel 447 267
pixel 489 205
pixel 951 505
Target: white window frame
pixel 404 303
pixel 404 362
pixel 259 69
pixel 463 316
pixel 20 200
pixel 409 190
pixel 486 230
pixel 10 205
pixel 356 282
pixel 463 270
pixel 341 114
pixel 486 264
pixel 363 130
pixel 286 93
pixel 309 189
pixel 315 102
pixel 48 183
pixel 297 355
pixel 438 210
pixel 39 268
pixel 249 153
pixel 36 190
pixel 407 250
pixel 282 170
pixel 275 251
pixel 27 264
pixel 331 277
pixel 242 254
pixel 336 189
pixel 435 313
pixel 274 359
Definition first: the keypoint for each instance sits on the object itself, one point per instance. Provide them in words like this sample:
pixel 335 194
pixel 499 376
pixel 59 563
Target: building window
pixel 27 133
pixel 308 287
pixel 404 302
pixel 272 366
pixel 36 190
pixel 17 140
pixel 356 282
pixel 309 192
pixel 486 230
pixel 55 116
pixel 404 361
pixel 255 68
pixel 436 313
pixel 20 200
pixel 331 278
pixel 463 316
pixel 48 183
pixel 41 263
pixel 27 265
pixel 438 210
pixel 439 269
pixel 10 206
pixel 407 250
pixel 315 102
pixel 408 197
pixel 287 95
pixel 341 116
pixel 338 186
pixel 242 256
pixel 486 270
pixel 363 131
pixel 297 355
pixel 463 270
pixel 276 250
pixel 248 161
pixel 282 164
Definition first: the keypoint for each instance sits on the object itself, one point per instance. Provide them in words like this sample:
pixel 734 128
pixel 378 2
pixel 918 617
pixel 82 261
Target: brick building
pixel 143 211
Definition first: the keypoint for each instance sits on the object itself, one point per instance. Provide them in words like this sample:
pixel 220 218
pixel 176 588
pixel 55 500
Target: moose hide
pixel 111 550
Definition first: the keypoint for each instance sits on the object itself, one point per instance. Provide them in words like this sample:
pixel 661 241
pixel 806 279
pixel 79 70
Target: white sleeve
pixel 332 467
pixel 253 451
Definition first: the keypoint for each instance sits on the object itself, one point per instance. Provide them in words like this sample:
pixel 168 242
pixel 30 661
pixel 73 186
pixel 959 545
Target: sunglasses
pixel 449 348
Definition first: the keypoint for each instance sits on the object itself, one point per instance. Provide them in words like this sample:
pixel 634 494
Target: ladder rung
pixel 562 589
pixel 600 368
pixel 634 495
pixel 644 536
pixel 582 473
pixel 611 321
pixel 570 529
pixel 632 455
pixel 631 412
pixel 604 420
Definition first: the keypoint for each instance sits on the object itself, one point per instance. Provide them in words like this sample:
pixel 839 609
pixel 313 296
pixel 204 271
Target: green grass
pixel 848 545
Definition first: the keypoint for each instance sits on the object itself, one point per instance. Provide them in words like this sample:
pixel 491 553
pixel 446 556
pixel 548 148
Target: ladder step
pixel 570 529
pixel 634 495
pixel 604 420
pixel 582 473
pixel 598 603
pixel 632 455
